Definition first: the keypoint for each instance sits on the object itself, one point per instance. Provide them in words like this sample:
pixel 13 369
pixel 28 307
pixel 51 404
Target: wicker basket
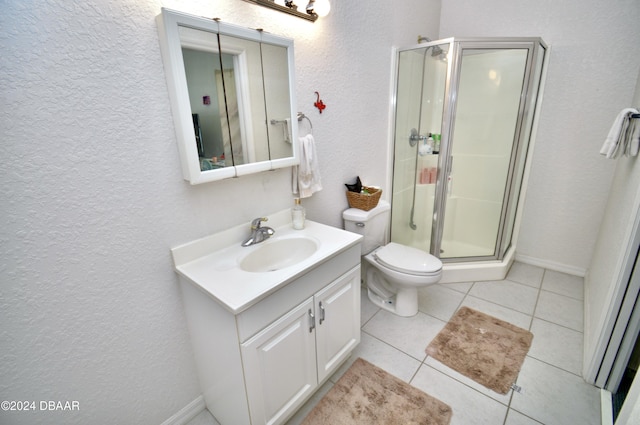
pixel 364 201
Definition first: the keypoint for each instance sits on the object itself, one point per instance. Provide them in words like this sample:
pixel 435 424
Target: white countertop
pixel 212 263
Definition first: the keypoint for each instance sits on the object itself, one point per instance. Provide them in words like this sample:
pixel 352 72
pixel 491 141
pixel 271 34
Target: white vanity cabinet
pixel 285 362
pixel 263 349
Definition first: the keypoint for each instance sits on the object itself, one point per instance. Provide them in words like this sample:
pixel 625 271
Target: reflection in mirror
pixel 246 113
pixel 276 86
pixel 207 113
pixel 232 96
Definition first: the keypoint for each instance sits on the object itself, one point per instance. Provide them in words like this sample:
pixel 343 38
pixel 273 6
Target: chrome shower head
pixel 436 50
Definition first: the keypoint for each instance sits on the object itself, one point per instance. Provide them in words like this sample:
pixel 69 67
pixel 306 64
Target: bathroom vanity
pixel 269 326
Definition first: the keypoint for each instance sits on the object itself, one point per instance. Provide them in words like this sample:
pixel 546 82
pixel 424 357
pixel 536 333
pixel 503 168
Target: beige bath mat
pixel 488 350
pixel 366 394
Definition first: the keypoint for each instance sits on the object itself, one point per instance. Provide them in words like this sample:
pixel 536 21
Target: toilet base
pixel 404 303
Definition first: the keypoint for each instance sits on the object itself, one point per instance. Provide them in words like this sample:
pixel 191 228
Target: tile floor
pixel 546 302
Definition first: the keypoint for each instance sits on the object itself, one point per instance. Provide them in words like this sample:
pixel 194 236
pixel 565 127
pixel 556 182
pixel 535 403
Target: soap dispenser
pixel 298 215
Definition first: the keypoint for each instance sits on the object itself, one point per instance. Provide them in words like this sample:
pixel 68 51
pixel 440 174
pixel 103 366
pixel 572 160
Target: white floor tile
pixel 204 418
pixel 555 397
pixel 306 408
pixel 382 355
pixel 516 296
pixel 560 309
pixel 469 406
pixel 459 286
pixel 439 302
pixel 563 284
pixel 517 418
pixel 526 274
pixel 367 308
pixel 408 334
pixel 503 313
pixel 557 345
pixel 504 399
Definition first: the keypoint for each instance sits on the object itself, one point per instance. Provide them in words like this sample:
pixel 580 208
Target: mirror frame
pixel 169 22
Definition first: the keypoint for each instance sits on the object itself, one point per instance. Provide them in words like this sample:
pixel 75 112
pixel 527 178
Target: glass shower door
pixel 483 148
pixel 420 98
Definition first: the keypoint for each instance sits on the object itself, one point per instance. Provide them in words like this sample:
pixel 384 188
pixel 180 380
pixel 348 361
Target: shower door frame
pixel 529 100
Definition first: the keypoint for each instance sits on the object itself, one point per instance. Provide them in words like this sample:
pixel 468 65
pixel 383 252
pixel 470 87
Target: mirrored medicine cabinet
pixel 232 96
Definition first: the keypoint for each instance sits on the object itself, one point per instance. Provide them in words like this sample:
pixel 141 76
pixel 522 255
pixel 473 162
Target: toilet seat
pixel 409 260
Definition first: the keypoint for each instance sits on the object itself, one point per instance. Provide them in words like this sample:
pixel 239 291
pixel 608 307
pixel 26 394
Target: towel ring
pixel 302 116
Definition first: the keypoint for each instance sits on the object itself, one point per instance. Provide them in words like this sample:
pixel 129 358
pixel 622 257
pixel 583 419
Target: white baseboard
pixel 551 265
pixel 187 413
pixel 606 408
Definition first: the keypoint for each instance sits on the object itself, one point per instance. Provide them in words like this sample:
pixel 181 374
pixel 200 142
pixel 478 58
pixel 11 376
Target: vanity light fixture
pixel 319 7
pixel 314 9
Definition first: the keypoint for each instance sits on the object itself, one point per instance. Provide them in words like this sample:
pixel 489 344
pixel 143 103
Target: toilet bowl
pixel 392 272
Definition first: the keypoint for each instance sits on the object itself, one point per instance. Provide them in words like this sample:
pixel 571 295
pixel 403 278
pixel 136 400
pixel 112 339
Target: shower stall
pixel 465 111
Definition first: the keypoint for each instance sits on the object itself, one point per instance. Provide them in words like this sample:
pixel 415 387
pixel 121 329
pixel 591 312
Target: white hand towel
pixel 611 145
pixel 306 176
pixel 634 141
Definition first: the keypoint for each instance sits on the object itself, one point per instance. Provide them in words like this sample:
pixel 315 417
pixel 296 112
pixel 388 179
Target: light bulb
pixel 322 7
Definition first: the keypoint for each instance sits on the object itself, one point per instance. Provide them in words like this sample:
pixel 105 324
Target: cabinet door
pixel 280 365
pixel 338 318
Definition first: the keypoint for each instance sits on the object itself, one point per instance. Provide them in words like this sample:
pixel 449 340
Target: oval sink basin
pixel 278 254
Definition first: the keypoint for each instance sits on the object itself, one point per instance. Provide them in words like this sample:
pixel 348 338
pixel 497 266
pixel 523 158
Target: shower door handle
pixel 415 137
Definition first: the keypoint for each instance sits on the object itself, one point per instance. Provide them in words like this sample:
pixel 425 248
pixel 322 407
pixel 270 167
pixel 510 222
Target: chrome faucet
pixel 258 233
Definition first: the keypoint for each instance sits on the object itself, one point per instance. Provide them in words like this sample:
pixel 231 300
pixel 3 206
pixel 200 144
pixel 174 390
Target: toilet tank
pixel 372 225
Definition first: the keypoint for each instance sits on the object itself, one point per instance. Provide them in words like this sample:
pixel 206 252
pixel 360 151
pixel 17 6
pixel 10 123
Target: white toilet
pixel 392 272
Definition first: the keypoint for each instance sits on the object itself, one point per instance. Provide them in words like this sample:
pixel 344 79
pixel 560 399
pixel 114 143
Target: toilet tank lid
pixel 356 214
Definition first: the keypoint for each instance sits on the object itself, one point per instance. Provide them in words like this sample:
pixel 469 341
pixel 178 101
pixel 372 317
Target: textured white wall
pixel 92 197
pixel 605 280
pixel 595 57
